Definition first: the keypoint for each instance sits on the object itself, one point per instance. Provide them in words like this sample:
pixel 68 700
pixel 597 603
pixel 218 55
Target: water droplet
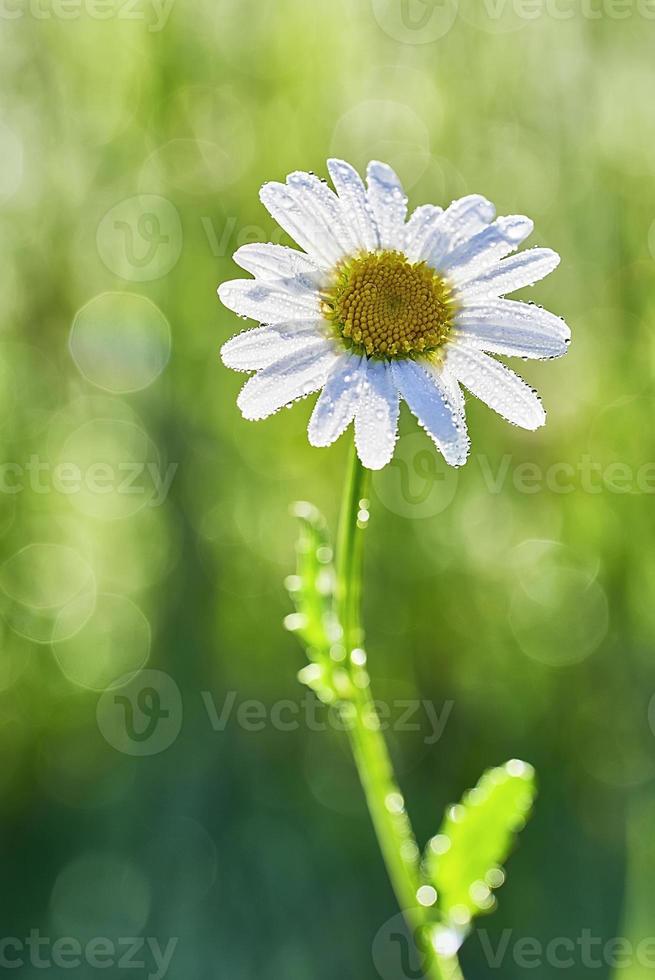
pixel 394 803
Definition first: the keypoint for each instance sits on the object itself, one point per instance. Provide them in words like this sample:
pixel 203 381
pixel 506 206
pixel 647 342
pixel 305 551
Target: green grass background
pixel 532 612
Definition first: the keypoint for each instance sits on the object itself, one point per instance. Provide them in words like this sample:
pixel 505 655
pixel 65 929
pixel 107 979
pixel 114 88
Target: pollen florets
pixel 384 306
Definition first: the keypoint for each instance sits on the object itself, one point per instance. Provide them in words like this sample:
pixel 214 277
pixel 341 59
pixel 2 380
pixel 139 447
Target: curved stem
pixel 384 800
pixel 350 551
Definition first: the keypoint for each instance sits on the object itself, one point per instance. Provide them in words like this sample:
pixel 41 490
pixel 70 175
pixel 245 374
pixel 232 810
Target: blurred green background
pixel 144 525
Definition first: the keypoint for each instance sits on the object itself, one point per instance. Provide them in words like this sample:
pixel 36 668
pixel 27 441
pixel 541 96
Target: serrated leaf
pixel 463 862
pixel 312 587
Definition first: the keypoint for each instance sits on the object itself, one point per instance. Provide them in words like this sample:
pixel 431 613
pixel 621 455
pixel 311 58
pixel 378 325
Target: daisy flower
pixel 380 308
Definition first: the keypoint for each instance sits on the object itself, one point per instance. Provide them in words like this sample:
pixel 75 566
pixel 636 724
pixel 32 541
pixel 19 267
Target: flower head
pixel 379 308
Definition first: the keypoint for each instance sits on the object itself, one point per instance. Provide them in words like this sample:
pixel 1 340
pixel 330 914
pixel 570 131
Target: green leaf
pixel 463 862
pixel 312 587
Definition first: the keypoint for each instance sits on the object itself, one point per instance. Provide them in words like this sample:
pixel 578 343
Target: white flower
pixel 379 308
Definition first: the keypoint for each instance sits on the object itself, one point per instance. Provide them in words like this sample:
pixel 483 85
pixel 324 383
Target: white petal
pixel 505 326
pixel 388 203
pixel 419 230
pixel 292 214
pixel 449 383
pixel 352 194
pixel 326 208
pixel 429 401
pixel 252 349
pixel 337 403
pixel 376 421
pixel 271 301
pixel 292 376
pixel 463 219
pixel 497 386
pixel 255 349
pixel 268 261
pixel 518 271
pixel 486 248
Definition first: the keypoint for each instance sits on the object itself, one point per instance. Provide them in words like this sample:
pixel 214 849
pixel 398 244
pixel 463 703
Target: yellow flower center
pixel 383 306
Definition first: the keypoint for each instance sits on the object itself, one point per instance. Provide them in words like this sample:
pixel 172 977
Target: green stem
pixel 385 802
pixel 350 552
